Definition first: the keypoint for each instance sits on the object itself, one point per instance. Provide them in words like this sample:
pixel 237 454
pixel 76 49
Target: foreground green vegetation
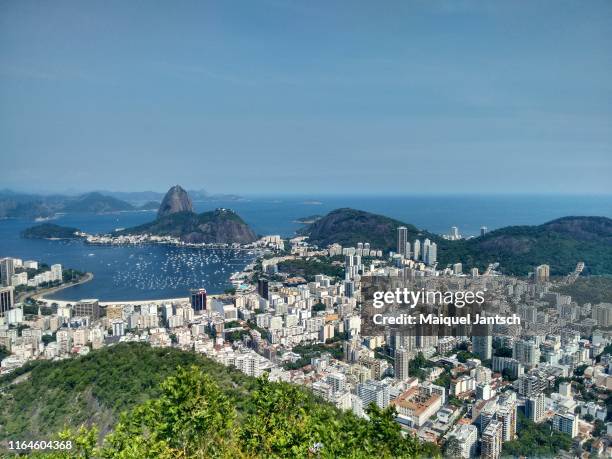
pixel 206 410
pixel 94 389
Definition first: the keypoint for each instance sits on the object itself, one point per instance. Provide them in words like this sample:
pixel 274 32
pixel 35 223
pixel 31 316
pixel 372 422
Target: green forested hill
pixel 591 289
pixel 179 404
pixel 348 226
pixel 216 226
pixel 560 243
pixel 95 388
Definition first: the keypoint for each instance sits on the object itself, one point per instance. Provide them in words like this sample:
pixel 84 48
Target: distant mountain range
pixel 96 203
pixel 24 205
pixel 560 243
pixel 143 196
pixel 16 205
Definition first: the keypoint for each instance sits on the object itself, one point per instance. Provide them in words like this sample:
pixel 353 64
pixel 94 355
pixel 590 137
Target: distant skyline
pixel 281 96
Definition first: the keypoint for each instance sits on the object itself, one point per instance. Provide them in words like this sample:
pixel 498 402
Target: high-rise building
pixel 373 392
pixel 7 269
pixel 492 440
pixel 483 230
pixel 56 273
pixel 506 414
pixel 326 332
pixel 19 279
pixel 483 391
pixel 566 423
pixel 565 389
pixel 535 407
pixel 87 308
pixel 542 273
pixel 337 381
pixel 263 288
pixel 402 239
pixel 433 254
pixel 482 345
pixel 467 438
pixel 7 300
pixel 416 250
pixel 118 327
pixel 487 414
pixel 526 352
pixel 402 363
pixel 426 244
pixel 454 233
pixel 530 385
pixel 349 288
pixel 351 266
pixel 602 314
pixel 199 300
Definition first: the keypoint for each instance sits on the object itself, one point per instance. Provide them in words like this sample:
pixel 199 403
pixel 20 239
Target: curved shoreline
pixel 39 296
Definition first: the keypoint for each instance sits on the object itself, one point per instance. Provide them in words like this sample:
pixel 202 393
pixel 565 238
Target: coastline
pixel 39 296
pixel 157 301
pixel 122 241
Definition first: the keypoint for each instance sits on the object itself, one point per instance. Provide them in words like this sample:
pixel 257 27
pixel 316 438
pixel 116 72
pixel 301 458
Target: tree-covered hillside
pixel 216 226
pixel 592 289
pixel 94 389
pixel 348 226
pixel 561 243
pixel 201 409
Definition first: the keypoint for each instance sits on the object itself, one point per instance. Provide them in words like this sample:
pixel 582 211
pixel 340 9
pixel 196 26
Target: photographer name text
pixel 433 319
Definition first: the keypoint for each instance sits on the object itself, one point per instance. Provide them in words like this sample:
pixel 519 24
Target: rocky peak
pixel 176 200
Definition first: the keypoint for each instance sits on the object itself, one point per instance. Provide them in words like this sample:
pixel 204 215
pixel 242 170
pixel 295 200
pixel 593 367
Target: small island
pixel 50 231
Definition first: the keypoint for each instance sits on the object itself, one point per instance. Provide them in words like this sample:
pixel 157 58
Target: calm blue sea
pixel 147 272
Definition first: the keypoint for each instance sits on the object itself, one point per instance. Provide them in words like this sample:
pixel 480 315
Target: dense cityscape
pixel 295 314
pixel 305 229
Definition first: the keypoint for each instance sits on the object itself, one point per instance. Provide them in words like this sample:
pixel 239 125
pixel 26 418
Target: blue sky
pixel 278 96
